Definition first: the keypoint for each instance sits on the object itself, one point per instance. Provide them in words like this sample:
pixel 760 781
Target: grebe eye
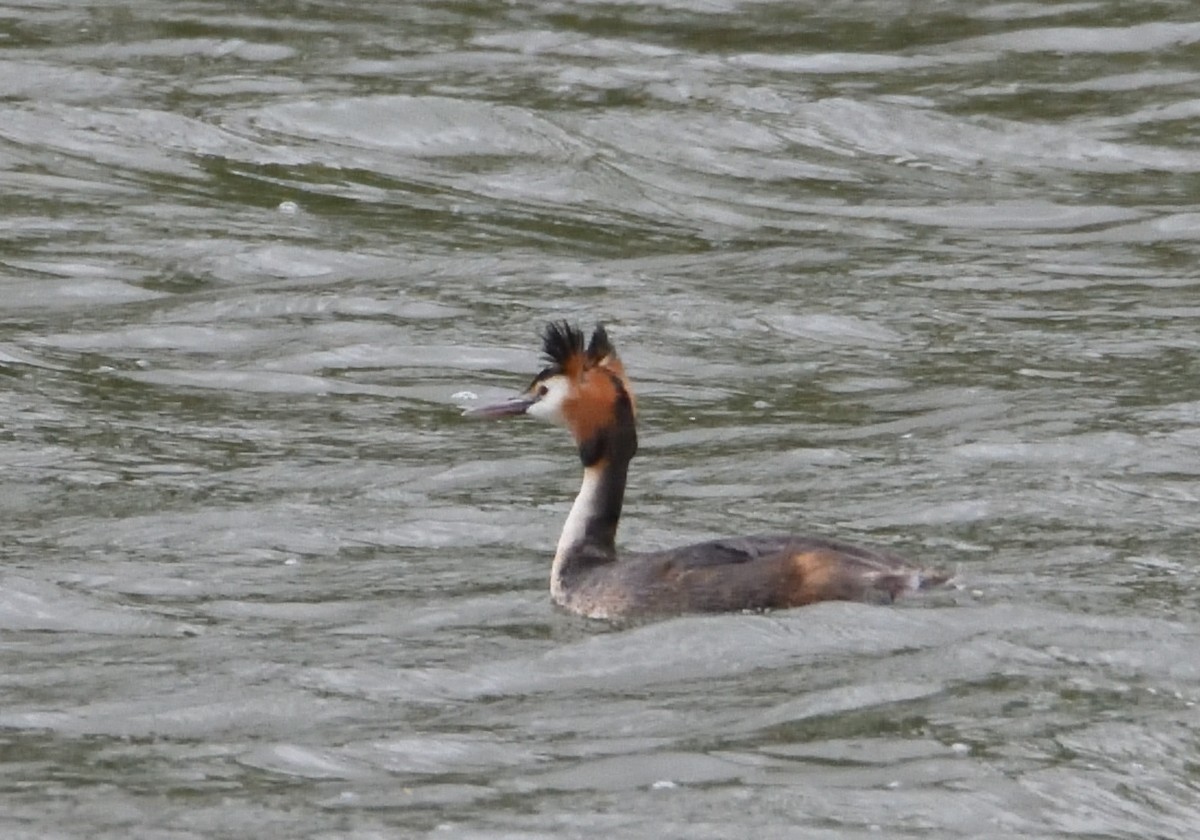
pixel 542 390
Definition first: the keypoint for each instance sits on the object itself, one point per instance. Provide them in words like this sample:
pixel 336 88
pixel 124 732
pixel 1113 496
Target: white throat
pixel 574 529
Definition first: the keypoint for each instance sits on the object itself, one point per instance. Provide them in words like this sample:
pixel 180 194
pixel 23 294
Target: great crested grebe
pixel 585 389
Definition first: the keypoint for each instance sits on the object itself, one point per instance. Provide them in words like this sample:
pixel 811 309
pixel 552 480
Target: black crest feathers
pixel 562 345
pixel 599 347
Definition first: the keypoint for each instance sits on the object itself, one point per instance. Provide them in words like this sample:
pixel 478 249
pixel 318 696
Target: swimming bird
pixel 585 389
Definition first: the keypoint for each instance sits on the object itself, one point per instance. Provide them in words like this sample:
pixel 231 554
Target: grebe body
pixel 586 390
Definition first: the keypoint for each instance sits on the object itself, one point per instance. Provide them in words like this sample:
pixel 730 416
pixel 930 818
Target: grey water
pixel 918 275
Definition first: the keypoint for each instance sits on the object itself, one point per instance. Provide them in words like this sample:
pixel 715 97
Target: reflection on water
pixel 918 277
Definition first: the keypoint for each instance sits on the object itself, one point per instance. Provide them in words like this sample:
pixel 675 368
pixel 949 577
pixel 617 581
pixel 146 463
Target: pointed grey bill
pixel 509 408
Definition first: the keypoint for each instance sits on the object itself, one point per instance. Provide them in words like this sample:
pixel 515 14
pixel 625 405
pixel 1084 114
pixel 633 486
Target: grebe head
pixel 582 388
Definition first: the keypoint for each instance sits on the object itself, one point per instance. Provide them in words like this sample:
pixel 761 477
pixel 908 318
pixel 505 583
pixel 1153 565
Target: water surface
pixel 920 276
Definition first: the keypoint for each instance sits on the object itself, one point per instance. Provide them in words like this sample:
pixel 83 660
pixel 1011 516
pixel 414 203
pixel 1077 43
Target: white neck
pixel 575 528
